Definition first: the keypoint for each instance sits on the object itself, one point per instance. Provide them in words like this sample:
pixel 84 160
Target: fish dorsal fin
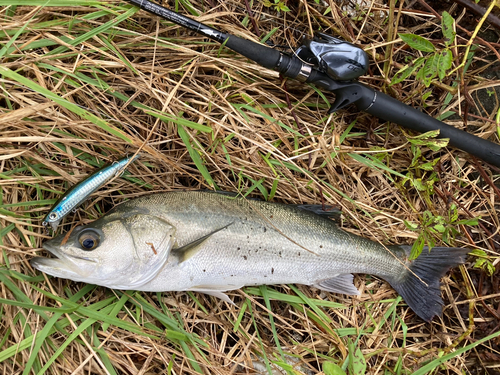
pixel 187 251
pixel 318 209
pixel 339 284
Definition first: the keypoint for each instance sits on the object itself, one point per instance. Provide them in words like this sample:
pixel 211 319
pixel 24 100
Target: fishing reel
pixel 340 60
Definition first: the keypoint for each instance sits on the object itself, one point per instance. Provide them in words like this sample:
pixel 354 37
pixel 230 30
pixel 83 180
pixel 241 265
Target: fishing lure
pixel 81 191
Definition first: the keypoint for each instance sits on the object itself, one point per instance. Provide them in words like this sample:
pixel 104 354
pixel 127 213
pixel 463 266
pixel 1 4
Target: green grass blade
pixel 50 3
pixel 41 337
pixel 64 103
pixel 37 308
pixel 168 322
pixel 180 121
pixel 273 294
pixel 195 156
pixel 439 361
pixel 267 301
pixel 98 30
pixel 116 309
pixel 90 313
pixel 7 46
pixel 81 327
pixel 262 348
pixel 374 163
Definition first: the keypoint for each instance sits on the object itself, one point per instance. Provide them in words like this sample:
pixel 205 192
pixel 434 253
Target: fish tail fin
pixel 420 285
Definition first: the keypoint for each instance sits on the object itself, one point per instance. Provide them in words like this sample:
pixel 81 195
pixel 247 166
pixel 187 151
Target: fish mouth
pixel 61 265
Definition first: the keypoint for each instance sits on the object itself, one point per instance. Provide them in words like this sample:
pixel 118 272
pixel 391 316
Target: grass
pixel 84 82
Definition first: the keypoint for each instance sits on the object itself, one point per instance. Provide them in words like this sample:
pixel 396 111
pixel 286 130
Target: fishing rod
pixel 334 65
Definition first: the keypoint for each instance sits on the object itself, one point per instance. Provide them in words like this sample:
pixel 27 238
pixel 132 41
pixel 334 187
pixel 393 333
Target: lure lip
pixel 47 221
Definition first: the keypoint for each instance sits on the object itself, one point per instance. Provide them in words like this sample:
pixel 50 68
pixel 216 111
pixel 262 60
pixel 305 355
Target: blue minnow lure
pixel 81 191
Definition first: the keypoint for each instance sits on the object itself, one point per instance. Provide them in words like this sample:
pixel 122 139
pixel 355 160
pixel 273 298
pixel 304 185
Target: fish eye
pixel 89 240
pixel 53 216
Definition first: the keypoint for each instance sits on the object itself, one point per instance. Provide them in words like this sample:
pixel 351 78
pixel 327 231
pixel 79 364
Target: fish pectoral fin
pixel 187 251
pixel 338 284
pixel 215 293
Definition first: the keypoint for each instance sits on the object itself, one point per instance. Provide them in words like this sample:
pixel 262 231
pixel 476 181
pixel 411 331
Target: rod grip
pixel 390 109
pixel 261 54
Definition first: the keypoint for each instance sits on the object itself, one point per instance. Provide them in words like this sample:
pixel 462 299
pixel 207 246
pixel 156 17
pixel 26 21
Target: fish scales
pixel 263 241
pixel 212 243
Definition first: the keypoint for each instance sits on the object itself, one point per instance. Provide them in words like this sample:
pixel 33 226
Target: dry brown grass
pixel 146 61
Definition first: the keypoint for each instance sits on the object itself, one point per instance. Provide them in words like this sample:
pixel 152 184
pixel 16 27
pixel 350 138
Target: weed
pixel 436 226
pixel 277 5
pixel 436 63
pixel 422 176
pixel 86 79
pixel 483 261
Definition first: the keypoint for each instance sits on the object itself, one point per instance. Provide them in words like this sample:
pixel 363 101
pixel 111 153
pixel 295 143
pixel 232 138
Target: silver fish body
pixel 212 243
pixel 82 190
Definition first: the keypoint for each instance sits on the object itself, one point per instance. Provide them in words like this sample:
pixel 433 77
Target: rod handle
pixel 390 109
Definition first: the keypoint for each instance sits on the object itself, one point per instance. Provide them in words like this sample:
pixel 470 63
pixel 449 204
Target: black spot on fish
pixel 238 248
pixel 320 246
pixel 265 229
pixel 270 217
pixel 280 254
pixel 245 257
pixel 299 254
pixel 204 270
pixel 272 270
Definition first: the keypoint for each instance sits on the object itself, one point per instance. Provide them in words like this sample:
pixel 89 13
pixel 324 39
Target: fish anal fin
pixel 338 284
pixel 187 251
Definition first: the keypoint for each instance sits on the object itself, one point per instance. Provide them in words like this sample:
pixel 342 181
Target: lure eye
pixel 53 216
pixel 89 240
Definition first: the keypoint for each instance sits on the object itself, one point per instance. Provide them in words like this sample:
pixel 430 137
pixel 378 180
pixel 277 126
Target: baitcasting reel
pixel 338 59
pixel 334 65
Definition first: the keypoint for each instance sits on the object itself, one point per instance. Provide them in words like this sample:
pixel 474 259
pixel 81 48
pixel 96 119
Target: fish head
pixel 116 251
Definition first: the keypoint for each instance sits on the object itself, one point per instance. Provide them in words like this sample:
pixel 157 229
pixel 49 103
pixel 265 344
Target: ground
pixel 85 82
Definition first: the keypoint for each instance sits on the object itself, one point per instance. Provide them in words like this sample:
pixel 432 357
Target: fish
pixel 213 243
pixel 82 190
